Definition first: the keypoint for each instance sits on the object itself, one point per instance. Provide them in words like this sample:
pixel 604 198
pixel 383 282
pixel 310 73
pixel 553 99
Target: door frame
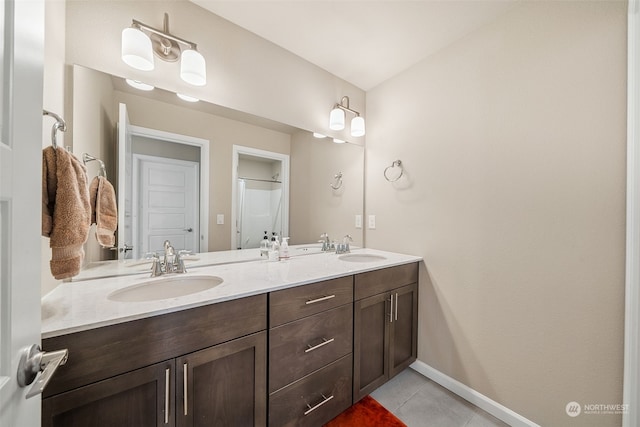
pixel 138 159
pixel 631 392
pixel 284 177
pixel 22 64
pixel 201 143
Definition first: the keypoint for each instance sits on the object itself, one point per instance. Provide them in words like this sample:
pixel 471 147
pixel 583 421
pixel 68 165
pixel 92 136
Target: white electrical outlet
pixel 358 221
pixel 220 219
pixel 372 222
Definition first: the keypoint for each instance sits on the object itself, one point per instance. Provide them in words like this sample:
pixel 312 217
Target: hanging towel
pixel 65 210
pixel 104 211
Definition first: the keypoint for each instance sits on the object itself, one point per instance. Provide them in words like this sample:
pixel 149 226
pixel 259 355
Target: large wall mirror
pixel 315 205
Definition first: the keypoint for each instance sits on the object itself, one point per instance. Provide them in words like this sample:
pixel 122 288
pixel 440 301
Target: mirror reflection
pixel 237 199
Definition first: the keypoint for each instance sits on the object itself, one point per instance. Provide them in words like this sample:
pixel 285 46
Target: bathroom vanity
pixel 278 344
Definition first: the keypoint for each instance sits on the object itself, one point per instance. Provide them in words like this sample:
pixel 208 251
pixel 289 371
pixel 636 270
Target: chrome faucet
pixel 172 262
pixel 343 248
pixel 327 244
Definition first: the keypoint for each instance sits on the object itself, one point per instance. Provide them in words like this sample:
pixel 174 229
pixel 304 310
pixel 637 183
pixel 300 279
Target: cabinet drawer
pixel 303 346
pixel 315 399
pixel 383 280
pixel 294 303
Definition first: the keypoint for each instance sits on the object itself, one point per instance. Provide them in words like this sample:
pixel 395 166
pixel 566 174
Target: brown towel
pixel 104 211
pixel 65 210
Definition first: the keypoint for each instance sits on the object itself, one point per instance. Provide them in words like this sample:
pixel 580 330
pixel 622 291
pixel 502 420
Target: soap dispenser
pixel 264 245
pixel 284 249
pixel 274 252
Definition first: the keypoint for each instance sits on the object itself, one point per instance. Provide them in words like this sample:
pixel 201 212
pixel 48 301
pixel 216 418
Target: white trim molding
pixel 478 399
pixel 631 394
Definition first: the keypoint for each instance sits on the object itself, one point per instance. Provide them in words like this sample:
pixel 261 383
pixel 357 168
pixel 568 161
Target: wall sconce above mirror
pixel 336 118
pixel 141 42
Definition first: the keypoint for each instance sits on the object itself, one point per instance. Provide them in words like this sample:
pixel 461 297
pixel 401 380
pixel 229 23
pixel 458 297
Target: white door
pixel 167 194
pixel 22 28
pixel 125 166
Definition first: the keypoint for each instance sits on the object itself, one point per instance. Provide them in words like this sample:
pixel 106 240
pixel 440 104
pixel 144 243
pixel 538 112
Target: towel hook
pixel 86 158
pixel 58 125
pixel 338 181
pixel 396 163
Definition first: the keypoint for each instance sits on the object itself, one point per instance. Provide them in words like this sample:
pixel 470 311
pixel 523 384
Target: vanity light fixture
pixel 139 85
pixel 319 135
pixel 187 97
pixel 140 42
pixel 337 117
pixel 338 141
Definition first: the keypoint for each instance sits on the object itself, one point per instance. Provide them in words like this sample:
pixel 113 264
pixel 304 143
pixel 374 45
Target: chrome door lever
pixel 34 360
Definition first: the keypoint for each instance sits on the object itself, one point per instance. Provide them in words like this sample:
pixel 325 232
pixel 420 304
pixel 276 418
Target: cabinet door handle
pixel 315 347
pixel 313 408
pixel 391 312
pixel 166 395
pixel 185 380
pixel 313 301
pixel 396 306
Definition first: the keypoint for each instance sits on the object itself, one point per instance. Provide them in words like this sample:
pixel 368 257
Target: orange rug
pixel 366 413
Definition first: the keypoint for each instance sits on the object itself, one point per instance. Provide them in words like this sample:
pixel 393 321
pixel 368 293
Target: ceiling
pixel 364 42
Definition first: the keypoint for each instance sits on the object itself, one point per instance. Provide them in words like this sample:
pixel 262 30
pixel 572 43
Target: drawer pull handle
pixel 313 301
pixel 315 347
pixel 391 312
pixel 166 395
pixel 313 408
pixel 185 385
pixel 396 306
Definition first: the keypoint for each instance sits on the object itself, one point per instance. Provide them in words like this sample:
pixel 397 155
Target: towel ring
pixel 338 183
pixel 86 158
pixel 396 163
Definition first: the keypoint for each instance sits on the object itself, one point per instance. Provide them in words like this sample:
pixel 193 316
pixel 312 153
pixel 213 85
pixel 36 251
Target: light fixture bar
pixel 346 107
pixel 166 34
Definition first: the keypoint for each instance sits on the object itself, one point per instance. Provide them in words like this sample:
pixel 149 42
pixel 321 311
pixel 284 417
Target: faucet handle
pixel 156 267
pixel 347 238
pixel 180 268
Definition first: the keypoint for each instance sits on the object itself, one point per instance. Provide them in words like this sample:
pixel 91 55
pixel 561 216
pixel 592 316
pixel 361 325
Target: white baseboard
pixel 481 401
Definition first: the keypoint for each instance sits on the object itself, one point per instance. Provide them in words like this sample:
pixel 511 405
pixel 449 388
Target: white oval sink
pixel 165 288
pixel 361 257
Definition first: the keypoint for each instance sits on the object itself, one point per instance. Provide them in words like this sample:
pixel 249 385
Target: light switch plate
pixel 220 219
pixel 358 221
pixel 372 222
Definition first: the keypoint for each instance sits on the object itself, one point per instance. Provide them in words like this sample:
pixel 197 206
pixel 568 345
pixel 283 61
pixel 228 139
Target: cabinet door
pixel 370 340
pixel 140 398
pixel 224 385
pixel 403 334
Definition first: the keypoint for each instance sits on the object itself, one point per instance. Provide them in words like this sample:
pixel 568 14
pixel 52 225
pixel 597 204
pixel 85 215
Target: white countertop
pixel 83 305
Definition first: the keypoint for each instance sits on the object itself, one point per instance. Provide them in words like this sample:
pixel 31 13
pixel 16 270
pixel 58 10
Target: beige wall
pixel 94 117
pixel 315 207
pixel 54 101
pixel 513 139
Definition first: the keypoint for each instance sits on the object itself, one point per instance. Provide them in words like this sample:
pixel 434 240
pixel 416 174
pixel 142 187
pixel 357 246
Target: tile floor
pixel 420 402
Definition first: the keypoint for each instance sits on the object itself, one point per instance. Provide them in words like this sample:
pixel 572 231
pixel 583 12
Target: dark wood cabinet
pixel 143 398
pixel 209 379
pixel 223 386
pixel 310 353
pixel 385 326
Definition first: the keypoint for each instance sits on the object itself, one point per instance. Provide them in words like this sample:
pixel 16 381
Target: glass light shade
pixel 319 135
pixel 139 85
pixel 338 141
pixel 193 68
pixel 187 98
pixel 357 126
pixel 336 119
pixel 136 49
